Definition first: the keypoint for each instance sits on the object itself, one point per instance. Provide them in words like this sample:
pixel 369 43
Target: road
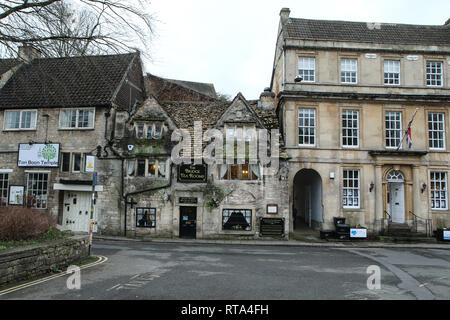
pixel 137 271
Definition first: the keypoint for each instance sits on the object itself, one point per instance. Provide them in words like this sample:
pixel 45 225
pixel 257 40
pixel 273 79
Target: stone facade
pixel 32 261
pixel 370 99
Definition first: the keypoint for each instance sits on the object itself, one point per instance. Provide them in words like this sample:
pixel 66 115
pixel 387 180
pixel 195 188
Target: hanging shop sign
pixel 192 173
pixel 38 155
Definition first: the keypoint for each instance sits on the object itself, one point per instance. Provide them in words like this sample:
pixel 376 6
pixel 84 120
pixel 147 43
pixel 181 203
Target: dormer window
pixel 149 130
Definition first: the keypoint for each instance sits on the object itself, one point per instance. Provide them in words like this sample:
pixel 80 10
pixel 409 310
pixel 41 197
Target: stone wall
pixel 24 263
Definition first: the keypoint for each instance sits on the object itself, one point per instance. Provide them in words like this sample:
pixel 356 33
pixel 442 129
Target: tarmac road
pixel 158 271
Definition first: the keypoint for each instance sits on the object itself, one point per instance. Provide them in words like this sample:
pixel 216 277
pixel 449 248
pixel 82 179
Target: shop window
pixel 237 219
pixel 146 217
pixel 37 190
pixel 438 190
pixel 351 192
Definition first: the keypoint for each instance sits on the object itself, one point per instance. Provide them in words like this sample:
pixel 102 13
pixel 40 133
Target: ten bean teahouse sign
pixel 38 155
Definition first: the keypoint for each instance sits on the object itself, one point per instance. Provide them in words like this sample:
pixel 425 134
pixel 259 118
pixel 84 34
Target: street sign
pixel 90 164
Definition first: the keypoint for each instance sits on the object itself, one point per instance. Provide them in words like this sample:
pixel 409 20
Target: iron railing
pixel 428 224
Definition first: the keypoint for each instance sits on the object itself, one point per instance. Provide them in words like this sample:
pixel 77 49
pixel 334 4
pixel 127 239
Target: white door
pixel 397 202
pixel 77 211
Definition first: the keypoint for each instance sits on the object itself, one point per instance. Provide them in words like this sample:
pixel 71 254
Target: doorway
pixel 396 196
pixel 77 211
pixel 188 222
pixel 307 206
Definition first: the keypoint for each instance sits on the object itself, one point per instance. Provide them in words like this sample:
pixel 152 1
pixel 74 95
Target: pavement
pixel 285 243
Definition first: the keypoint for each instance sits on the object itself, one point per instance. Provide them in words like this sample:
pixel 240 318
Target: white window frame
pixel 347 189
pixel 400 130
pixel 46 191
pixel 431 74
pixel 391 68
pixel 442 190
pixel 32 128
pixel 347 112
pixel 77 117
pixel 73 162
pixel 308 114
pixel 2 189
pixel 306 65
pixel 347 70
pixel 436 132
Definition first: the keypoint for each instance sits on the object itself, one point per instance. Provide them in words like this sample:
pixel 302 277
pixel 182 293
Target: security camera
pixel 298 79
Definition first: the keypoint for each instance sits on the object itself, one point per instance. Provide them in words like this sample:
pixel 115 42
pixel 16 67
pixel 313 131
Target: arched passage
pixel 307 206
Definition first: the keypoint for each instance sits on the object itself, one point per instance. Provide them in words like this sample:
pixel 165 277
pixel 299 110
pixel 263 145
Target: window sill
pixel 76 129
pixel 18 130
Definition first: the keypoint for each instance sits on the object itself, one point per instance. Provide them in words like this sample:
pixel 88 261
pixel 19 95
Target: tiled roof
pixel 367 32
pixel 177 90
pixel 184 114
pixel 66 82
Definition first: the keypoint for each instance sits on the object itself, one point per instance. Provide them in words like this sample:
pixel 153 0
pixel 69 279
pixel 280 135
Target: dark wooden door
pixel 188 222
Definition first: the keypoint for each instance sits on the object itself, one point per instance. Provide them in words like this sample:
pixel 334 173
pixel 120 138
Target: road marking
pixel 102 259
pixel 135 282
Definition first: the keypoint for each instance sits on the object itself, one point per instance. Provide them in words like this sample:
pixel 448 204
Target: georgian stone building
pixel 345 94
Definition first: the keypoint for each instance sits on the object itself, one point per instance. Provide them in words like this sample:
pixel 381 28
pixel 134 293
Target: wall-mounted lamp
pixel 424 186
pixel 372 185
pixel 332 176
pixel 298 79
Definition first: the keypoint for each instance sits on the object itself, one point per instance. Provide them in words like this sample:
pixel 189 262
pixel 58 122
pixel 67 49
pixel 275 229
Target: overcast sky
pixel 231 43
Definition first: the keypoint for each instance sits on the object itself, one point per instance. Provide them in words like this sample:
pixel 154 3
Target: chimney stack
pixel 28 53
pixel 267 100
pixel 284 14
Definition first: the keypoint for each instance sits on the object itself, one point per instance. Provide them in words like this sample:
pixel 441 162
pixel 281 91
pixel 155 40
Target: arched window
pixel 395 176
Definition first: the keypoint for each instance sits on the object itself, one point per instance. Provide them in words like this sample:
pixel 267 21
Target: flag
pixel 409 136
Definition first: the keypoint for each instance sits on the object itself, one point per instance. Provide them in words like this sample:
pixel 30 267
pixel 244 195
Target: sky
pixel 231 43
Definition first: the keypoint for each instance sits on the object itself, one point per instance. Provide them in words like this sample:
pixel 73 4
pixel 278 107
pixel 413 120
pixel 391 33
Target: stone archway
pixel 307 205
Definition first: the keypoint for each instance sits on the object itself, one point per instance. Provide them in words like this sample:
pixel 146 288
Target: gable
pixel 240 112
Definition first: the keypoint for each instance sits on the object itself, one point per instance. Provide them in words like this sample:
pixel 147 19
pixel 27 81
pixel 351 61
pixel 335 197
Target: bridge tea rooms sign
pixel 192 173
pixel 38 155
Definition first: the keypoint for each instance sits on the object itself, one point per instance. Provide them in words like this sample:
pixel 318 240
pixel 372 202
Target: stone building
pixel 197 200
pixel 56 113
pixel 53 113
pixel 345 94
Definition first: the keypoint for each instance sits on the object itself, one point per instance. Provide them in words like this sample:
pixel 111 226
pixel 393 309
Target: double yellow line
pixel 101 259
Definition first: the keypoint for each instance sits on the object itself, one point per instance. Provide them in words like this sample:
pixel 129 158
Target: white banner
pixel 38 155
pixel 358 233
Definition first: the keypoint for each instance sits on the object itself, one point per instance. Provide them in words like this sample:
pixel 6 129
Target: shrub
pixel 24 224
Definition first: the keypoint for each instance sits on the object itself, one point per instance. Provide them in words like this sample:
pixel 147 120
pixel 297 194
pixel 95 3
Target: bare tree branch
pixel 75 27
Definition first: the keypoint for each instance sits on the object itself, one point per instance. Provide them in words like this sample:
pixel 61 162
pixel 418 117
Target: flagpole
pixel 407 129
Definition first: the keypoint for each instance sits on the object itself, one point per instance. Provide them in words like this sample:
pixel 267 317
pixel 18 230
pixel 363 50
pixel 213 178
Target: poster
pixel 16 195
